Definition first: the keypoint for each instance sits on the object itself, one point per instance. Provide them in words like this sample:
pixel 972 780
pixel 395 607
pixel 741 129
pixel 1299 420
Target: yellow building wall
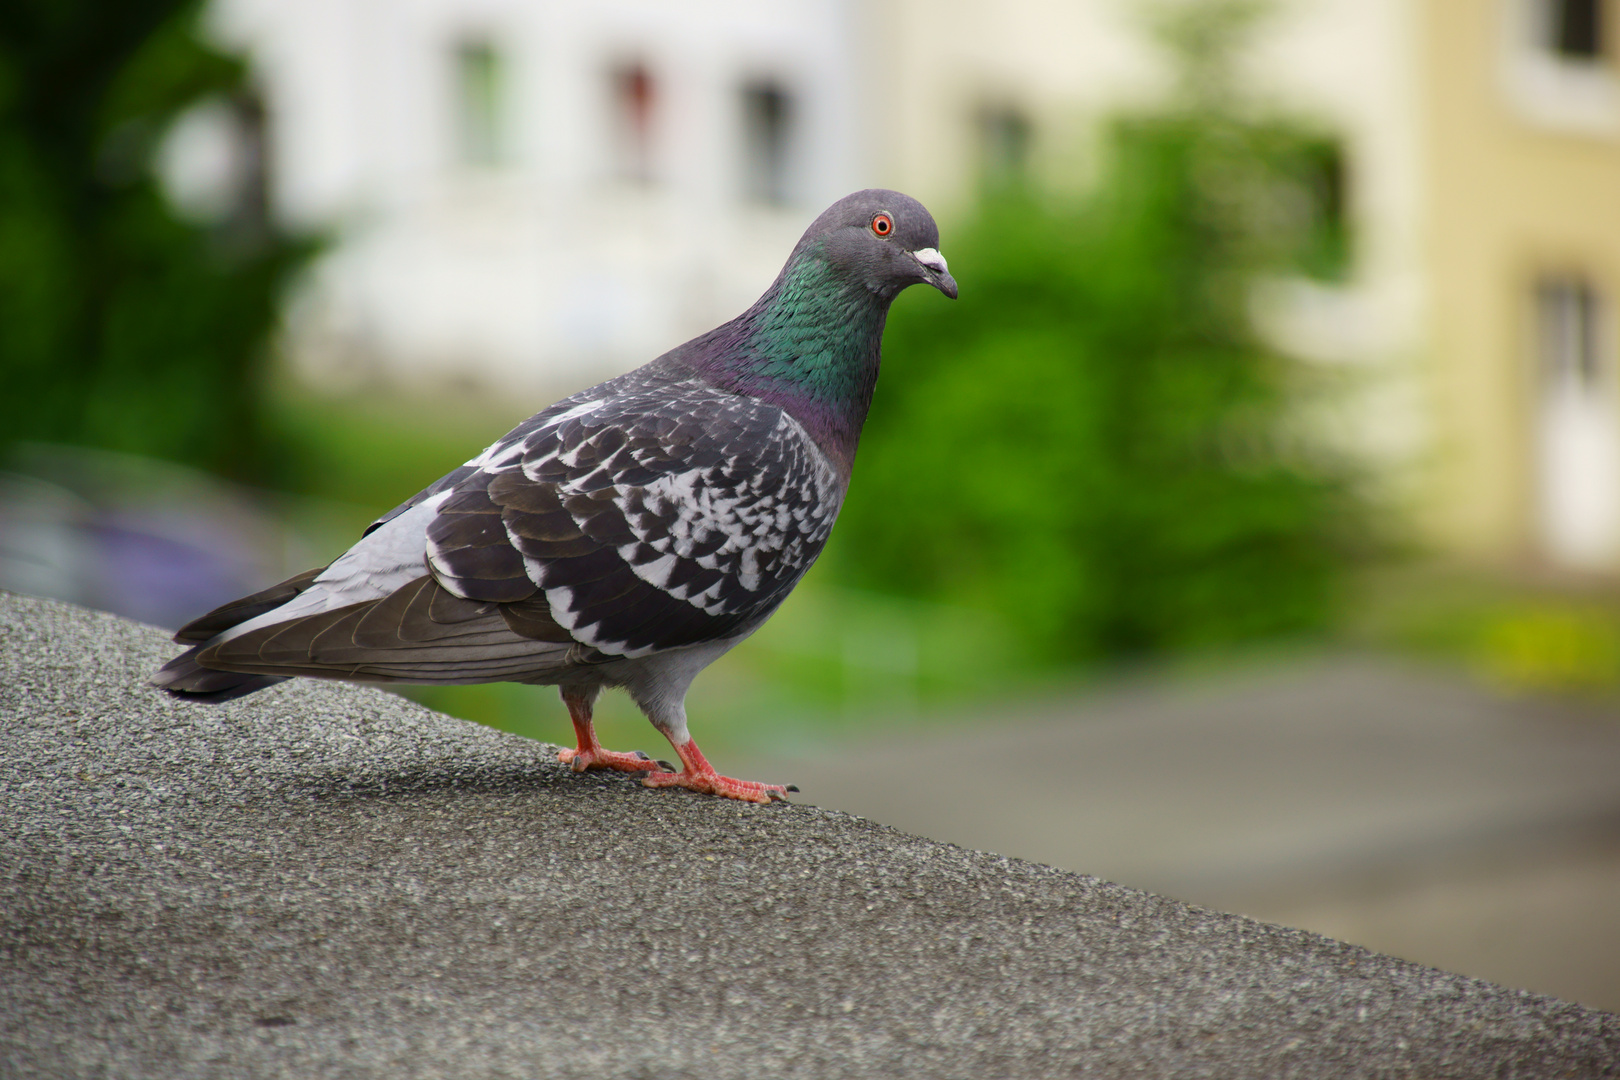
pixel 1508 200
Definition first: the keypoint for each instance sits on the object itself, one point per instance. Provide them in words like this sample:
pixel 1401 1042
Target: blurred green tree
pixel 122 324
pixel 1092 443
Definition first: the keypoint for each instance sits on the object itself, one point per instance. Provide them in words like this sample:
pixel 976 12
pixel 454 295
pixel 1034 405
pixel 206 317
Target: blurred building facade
pixel 533 193
pixel 542 193
pixel 1481 147
pixel 1521 103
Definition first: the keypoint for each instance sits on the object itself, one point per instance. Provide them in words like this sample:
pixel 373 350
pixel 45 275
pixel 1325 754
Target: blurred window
pixel 1578 426
pixel 1325 176
pixel 479 89
pixel 767 116
pixel 1004 142
pixel 1559 72
pixel 635 96
pixel 1567 313
pixel 1574 28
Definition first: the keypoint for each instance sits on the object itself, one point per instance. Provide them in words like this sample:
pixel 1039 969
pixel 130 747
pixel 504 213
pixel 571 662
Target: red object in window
pixel 636 95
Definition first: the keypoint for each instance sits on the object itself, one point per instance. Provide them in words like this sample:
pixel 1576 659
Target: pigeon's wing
pixel 443 483
pixel 374 613
pixel 655 519
pixel 616 526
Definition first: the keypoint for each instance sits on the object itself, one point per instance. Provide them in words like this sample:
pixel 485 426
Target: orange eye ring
pixel 882 224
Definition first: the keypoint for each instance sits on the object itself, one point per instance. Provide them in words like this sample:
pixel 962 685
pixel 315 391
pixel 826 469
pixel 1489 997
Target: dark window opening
pixel 478 107
pixel 767 115
pixel 1567 318
pixel 1324 175
pixel 635 96
pixel 1004 144
pixel 1576 28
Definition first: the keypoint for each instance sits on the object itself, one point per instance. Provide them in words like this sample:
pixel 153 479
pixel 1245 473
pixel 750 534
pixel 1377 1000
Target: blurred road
pixel 1394 806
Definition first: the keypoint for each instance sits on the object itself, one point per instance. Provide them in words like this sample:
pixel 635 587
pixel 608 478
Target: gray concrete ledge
pixel 324 880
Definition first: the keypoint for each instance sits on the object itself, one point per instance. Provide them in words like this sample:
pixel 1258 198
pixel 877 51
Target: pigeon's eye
pixel 882 224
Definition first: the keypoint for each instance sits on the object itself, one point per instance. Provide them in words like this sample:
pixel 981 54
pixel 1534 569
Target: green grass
pixel 1518 632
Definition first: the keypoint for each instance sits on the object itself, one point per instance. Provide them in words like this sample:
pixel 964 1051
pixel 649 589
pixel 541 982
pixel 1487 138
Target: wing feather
pixel 661 519
pixel 658 514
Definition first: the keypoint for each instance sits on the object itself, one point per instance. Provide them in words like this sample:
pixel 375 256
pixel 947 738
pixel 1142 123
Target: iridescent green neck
pixel 818 334
pixel 809 346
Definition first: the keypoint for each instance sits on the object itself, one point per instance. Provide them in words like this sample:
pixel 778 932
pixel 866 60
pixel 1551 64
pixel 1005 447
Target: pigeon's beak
pixel 933 263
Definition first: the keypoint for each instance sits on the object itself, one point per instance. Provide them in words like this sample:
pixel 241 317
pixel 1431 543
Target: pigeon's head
pixel 883 239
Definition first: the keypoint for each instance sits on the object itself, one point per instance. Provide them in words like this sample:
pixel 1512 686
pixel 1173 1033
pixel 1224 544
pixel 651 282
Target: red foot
pixel 598 758
pixel 591 754
pixel 698 775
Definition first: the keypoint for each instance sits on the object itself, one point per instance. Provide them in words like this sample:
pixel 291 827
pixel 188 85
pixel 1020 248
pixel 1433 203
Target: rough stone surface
pixel 323 880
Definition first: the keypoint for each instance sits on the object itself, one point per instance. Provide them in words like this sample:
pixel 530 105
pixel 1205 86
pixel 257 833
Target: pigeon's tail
pixel 418 633
pixel 228 615
pixel 185 678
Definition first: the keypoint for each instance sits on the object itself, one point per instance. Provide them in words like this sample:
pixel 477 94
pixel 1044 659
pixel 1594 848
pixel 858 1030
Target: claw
pixel 698 775
pixel 793 788
pixel 712 783
pixel 597 758
pixel 590 753
pixel 665 765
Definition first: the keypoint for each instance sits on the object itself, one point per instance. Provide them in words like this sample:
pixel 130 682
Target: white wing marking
pixel 503 455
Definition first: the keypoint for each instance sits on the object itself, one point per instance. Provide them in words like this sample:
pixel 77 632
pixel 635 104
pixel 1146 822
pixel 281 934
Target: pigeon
pixel 625 537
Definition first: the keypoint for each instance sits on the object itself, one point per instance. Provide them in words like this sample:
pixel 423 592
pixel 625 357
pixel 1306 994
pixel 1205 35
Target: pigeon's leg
pixel 698 775
pixel 590 754
pixel 663 699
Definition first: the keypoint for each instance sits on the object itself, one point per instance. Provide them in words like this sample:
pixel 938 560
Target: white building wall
pixel 547 269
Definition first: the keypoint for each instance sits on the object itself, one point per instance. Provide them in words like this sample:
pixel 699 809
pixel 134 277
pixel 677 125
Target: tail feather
pixel 419 633
pixel 185 678
pixel 225 616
